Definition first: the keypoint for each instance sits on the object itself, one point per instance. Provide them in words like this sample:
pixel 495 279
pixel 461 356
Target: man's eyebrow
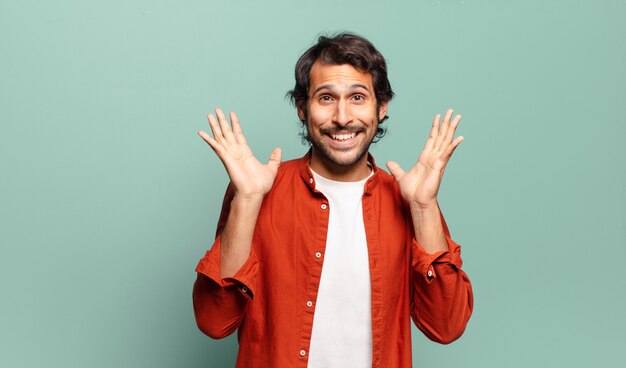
pixel 333 87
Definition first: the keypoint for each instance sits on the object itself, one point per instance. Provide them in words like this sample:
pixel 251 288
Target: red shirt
pixel 271 299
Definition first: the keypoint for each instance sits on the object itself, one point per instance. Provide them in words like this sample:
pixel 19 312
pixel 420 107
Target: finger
pixel 216 146
pixel 451 130
pixel 434 130
pixel 215 128
pixel 274 161
pixel 226 130
pixel 450 149
pixel 443 130
pixel 234 120
pixel 395 170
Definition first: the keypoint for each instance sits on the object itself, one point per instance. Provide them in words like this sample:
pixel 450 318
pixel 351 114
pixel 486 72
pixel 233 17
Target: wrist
pixel 428 228
pixel 248 200
pixel 425 217
pixel 424 207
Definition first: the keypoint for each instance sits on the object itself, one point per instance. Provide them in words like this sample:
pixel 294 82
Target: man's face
pixel 342 114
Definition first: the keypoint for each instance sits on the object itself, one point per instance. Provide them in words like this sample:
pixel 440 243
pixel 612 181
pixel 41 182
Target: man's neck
pixel 330 170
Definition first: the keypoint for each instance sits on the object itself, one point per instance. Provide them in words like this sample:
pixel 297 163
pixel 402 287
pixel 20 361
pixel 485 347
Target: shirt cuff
pixel 244 279
pixel 424 263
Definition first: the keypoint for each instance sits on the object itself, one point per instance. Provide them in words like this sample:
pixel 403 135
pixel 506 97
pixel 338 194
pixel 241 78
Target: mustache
pixel 348 130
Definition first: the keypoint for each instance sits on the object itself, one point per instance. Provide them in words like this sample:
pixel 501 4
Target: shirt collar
pixel 307 175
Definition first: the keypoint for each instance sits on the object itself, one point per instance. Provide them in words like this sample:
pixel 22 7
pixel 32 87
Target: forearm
pixel 428 227
pixel 236 239
pixel 220 303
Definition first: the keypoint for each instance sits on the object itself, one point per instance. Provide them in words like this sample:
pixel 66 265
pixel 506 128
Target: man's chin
pixel 343 159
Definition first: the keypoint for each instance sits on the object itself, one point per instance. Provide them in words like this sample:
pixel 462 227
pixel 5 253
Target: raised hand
pixel 419 186
pixel 250 178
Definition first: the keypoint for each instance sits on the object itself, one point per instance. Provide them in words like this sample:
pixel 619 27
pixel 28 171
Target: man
pixel 320 261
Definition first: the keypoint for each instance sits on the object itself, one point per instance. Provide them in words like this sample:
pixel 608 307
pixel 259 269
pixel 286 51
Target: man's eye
pixel 325 98
pixel 358 97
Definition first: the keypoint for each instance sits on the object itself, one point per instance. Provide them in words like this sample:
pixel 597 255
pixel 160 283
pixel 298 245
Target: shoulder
pixel 290 167
pixel 386 180
pixel 385 177
pixel 387 186
pixel 291 172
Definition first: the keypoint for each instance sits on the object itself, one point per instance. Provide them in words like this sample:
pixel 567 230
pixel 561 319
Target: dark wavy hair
pixel 342 48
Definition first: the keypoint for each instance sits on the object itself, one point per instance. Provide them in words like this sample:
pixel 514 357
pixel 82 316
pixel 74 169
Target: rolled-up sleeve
pixel 442 299
pixel 220 303
pixel 244 278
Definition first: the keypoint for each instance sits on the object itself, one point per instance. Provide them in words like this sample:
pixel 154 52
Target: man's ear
pixel 382 110
pixel 301 114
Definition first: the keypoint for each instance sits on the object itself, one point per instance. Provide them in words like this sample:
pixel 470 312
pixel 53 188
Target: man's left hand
pixel 419 186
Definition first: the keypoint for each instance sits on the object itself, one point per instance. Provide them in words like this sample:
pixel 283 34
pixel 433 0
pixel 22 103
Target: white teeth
pixel 343 137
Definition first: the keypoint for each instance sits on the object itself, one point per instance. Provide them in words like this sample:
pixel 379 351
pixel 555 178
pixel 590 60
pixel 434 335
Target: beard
pixel 329 155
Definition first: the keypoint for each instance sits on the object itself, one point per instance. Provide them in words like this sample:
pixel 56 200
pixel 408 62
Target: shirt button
pixel 323 206
pixel 318 255
pixel 302 352
pixel 430 273
pixel 244 289
pixel 310 180
pixel 309 304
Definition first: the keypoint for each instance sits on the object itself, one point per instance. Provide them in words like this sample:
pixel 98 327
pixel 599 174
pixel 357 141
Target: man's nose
pixel 342 114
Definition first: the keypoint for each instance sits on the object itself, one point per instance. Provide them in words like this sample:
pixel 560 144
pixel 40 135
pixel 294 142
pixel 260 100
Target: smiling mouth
pixel 343 137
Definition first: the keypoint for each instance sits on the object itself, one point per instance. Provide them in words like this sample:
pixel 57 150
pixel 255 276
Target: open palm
pixel 421 183
pixel 249 177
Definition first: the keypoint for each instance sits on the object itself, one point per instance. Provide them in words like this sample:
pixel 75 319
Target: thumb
pixel 395 169
pixel 274 161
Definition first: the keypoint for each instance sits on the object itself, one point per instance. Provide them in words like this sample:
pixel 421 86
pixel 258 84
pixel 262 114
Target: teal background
pixel 108 198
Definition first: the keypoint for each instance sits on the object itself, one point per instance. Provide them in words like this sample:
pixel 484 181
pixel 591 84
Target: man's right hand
pixel 250 178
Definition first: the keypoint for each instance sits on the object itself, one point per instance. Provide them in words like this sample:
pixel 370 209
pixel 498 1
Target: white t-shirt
pixel 342 324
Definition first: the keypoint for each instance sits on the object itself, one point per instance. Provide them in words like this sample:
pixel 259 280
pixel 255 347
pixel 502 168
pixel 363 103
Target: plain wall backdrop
pixel 108 198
